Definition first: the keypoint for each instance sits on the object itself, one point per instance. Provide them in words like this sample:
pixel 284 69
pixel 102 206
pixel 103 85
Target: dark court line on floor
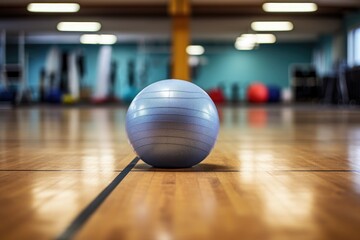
pixel 86 213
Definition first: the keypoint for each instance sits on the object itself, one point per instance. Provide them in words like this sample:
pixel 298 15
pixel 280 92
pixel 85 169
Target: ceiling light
pixel 289 7
pixel 241 46
pixel 250 41
pixel 79 26
pixel 261 38
pixel 107 39
pixel 245 43
pixel 272 26
pixel 98 39
pixel 53 7
pixel 195 50
pixel 247 40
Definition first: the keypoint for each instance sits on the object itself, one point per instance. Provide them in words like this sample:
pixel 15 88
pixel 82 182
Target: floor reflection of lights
pixel 279 198
pixel 45 209
pixel 354 158
pixel 286 204
pixel 252 161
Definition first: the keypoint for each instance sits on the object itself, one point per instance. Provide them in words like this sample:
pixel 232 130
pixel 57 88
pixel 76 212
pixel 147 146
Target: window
pixel 354 48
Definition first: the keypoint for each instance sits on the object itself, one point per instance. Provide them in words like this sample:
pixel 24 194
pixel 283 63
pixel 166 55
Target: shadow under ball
pixel 172 124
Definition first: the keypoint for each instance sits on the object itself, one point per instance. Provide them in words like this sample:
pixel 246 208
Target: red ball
pixel 217 95
pixel 257 93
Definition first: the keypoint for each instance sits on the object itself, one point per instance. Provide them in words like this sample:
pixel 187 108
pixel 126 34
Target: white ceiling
pixel 129 29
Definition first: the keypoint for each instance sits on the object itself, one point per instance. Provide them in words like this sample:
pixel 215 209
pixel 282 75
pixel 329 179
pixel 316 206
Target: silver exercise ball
pixel 172 124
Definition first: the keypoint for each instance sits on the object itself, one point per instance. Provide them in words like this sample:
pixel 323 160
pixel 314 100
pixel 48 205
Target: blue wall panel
pixel 224 64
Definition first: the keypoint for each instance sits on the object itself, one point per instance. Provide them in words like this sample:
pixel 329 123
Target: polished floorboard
pixel 276 172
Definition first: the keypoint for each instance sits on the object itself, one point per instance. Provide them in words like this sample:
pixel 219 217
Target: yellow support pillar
pixel 180 12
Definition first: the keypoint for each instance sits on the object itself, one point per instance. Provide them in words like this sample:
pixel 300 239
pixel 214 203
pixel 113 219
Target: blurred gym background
pixel 105 52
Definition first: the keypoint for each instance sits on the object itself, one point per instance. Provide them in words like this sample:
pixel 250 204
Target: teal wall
pixel 323 55
pixel 268 64
pixel 222 64
pixel 352 20
pixel 122 54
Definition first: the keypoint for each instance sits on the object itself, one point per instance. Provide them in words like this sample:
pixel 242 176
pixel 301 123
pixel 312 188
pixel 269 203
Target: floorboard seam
pixel 86 213
pixel 170 170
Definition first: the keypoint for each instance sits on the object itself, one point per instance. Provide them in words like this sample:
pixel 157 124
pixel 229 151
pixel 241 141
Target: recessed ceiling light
pixel 79 26
pixel 98 39
pixel 289 7
pixel 263 38
pixel 53 7
pixel 245 43
pixel 244 46
pixel 195 50
pixel 272 26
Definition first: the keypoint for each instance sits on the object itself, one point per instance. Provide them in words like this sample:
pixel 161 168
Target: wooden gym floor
pixel 275 173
